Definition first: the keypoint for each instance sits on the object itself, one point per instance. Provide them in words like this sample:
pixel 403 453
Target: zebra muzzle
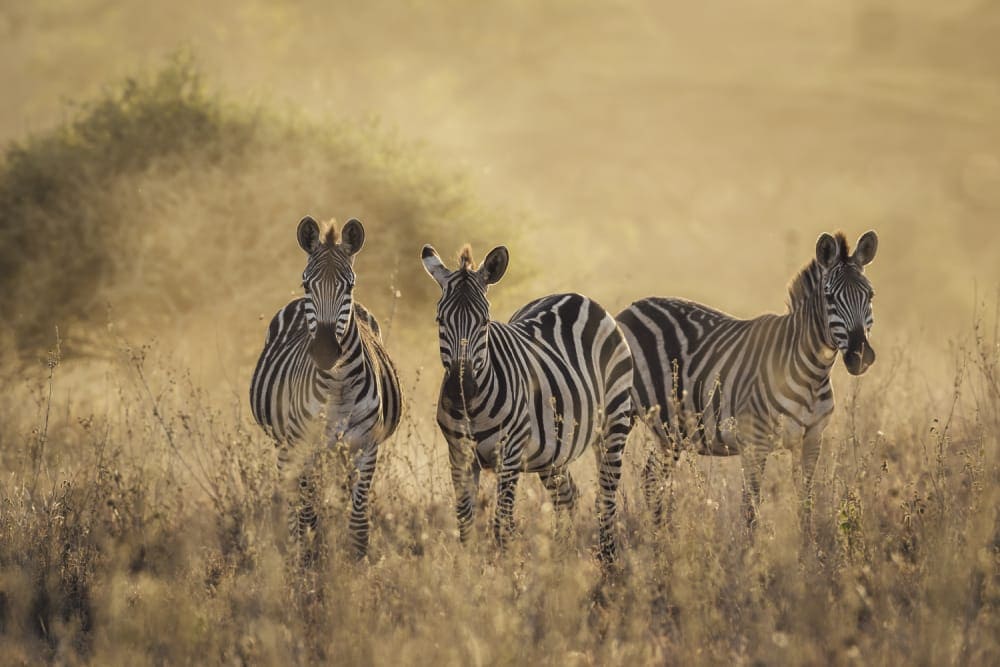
pixel 459 387
pixel 324 348
pixel 859 355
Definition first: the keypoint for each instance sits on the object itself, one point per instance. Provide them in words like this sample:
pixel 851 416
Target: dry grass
pixel 151 531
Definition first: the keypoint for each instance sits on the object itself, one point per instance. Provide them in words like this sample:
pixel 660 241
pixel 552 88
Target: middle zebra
pixel 529 395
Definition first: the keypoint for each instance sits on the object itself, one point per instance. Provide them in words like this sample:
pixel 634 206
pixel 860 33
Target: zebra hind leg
pixel 609 469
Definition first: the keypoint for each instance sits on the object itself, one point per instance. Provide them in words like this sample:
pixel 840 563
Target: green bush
pixel 160 200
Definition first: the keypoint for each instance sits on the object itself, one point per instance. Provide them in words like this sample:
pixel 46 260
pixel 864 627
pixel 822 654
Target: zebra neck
pixel 350 356
pixel 807 306
pixel 493 371
pixel 811 333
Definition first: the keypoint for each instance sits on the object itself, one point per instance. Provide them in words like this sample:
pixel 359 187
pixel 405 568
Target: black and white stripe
pixel 725 386
pixel 323 362
pixel 530 395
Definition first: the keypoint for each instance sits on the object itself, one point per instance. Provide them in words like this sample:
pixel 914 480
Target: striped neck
pixel 807 307
pixel 349 348
pixel 473 394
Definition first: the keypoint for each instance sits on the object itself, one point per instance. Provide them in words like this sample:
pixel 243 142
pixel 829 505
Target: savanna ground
pixel 147 233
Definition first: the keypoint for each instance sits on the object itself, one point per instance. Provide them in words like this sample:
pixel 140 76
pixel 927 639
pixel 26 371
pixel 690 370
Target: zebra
pixel 734 387
pixel 324 363
pixel 529 395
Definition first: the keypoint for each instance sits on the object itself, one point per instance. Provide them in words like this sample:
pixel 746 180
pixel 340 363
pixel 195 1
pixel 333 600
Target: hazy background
pixel 156 157
pixel 622 149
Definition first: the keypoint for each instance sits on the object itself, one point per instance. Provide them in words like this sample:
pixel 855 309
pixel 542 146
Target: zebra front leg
pixel 465 480
pixel 561 487
pixel 303 520
pixel 508 462
pixel 564 493
pixel 754 458
pixel 359 523
pixel 656 480
pixel 811 444
pixel 660 464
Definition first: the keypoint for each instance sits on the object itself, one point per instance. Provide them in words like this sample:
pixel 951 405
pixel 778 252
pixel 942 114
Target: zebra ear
pixel 827 251
pixel 352 236
pixel 433 265
pixel 495 265
pixel 867 247
pixel 308 234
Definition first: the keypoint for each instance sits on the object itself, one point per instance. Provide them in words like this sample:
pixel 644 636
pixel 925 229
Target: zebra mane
pixel 331 238
pixel 465 260
pixel 845 250
pixel 805 284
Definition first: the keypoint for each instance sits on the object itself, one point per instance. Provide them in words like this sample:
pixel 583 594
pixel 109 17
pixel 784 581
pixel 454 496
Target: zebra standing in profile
pixel 324 362
pixel 730 386
pixel 529 395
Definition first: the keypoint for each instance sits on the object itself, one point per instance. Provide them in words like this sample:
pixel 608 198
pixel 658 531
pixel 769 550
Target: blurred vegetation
pixel 160 199
pixel 61 227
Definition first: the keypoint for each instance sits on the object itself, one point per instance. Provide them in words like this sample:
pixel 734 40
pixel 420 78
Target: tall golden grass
pixel 152 531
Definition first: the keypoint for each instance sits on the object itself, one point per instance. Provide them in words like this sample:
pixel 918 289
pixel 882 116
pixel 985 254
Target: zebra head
pixel 328 281
pixel 848 296
pixel 463 316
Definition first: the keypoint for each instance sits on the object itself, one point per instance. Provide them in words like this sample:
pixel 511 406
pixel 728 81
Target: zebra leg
pixel 654 484
pixel 564 494
pixel 811 443
pixel 656 479
pixel 561 487
pixel 609 471
pixel 662 460
pixel 465 480
pixel 754 457
pixel 303 518
pixel 359 523
pixel 508 473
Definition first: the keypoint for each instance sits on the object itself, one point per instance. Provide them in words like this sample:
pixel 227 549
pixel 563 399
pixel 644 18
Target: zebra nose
pixel 858 358
pixel 324 348
pixel 459 388
pixel 868 356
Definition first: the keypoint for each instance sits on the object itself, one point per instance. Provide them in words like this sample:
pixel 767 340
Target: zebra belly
pixel 534 458
pixel 722 434
pixel 549 444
